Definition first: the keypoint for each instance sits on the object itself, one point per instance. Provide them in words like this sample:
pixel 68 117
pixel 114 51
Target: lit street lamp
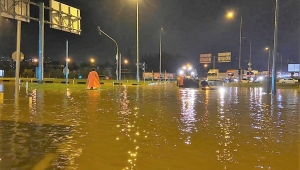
pixel 92 60
pixel 231 15
pixel 267 49
pixel 100 31
pixel 125 61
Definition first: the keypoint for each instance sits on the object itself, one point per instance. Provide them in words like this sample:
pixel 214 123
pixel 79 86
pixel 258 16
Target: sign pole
pixel 17 74
pixel 67 62
pixel 41 44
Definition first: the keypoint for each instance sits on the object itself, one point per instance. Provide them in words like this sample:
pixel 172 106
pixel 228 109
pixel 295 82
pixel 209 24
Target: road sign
pixel 66 71
pixel 205 58
pixel 64 17
pixel 15 9
pixel 14 56
pixel 224 57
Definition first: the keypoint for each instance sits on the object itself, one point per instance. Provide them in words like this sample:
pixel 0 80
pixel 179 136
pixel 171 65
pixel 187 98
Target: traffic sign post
pixel 14 56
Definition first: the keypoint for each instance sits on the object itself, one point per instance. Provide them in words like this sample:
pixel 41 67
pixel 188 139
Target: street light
pixel 231 15
pixel 125 61
pixel 92 60
pixel 267 49
pixel 68 60
pixel 161 29
pixel 100 31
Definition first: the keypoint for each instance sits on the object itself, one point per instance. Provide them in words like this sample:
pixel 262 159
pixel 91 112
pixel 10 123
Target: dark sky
pixel 191 27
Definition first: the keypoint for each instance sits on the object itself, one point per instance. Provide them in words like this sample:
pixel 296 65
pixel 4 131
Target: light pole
pixel 231 15
pixel 267 48
pixel 160 54
pixel 137 42
pixel 100 31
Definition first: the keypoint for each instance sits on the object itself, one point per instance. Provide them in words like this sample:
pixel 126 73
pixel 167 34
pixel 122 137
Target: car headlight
pixel 222 89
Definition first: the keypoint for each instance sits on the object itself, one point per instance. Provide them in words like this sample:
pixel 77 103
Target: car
pixel 214 85
pixel 103 77
pixel 288 81
pixel 244 80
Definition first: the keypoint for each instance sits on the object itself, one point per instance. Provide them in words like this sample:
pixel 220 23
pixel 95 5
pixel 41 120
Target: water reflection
pixel 127 124
pixel 155 127
pixel 25 145
pixel 226 138
pixel 188 113
pixel 1 87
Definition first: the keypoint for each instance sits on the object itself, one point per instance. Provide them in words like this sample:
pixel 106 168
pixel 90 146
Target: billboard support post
pixel 17 74
pixel 41 44
pixel 274 70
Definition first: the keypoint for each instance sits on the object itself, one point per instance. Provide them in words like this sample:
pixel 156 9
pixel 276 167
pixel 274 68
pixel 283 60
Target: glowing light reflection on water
pixel 155 127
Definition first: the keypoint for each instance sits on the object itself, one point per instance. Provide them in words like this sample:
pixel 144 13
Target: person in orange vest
pixel 93 80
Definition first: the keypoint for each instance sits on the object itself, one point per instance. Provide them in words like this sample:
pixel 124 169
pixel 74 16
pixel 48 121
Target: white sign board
pixel 148 75
pixel 293 67
pixel 224 57
pixel 66 71
pixel 14 56
pixel 64 17
pixel 15 9
pixel 205 58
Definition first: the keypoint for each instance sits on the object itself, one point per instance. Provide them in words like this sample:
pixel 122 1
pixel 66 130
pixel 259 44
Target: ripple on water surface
pixel 150 127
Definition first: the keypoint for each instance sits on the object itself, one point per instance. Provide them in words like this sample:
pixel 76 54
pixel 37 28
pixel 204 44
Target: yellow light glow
pixel 267 48
pixel 68 60
pixel 125 61
pixel 230 14
pixel 35 60
pixel 92 60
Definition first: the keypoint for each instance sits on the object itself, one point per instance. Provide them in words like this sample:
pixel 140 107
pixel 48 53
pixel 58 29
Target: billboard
pixel 15 9
pixel 224 57
pixel 64 17
pixel 293 67
pixel 205 58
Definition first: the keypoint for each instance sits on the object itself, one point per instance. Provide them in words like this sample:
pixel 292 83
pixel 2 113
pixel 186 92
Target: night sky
pixel 191 27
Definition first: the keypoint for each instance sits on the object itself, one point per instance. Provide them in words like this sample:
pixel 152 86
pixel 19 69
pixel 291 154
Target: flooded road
pixel 149 128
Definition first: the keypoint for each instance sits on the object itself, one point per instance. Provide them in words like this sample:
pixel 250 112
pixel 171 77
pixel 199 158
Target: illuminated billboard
pixel 293 67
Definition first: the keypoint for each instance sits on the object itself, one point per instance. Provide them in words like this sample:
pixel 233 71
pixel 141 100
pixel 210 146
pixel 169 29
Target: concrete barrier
pixel 117 83
pixel 81 82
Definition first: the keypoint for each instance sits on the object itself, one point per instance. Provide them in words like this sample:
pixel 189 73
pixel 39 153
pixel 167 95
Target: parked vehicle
pixel 103 77
pixel 288 81
pixel 213 74
pixel 245 80
pixel 214 85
